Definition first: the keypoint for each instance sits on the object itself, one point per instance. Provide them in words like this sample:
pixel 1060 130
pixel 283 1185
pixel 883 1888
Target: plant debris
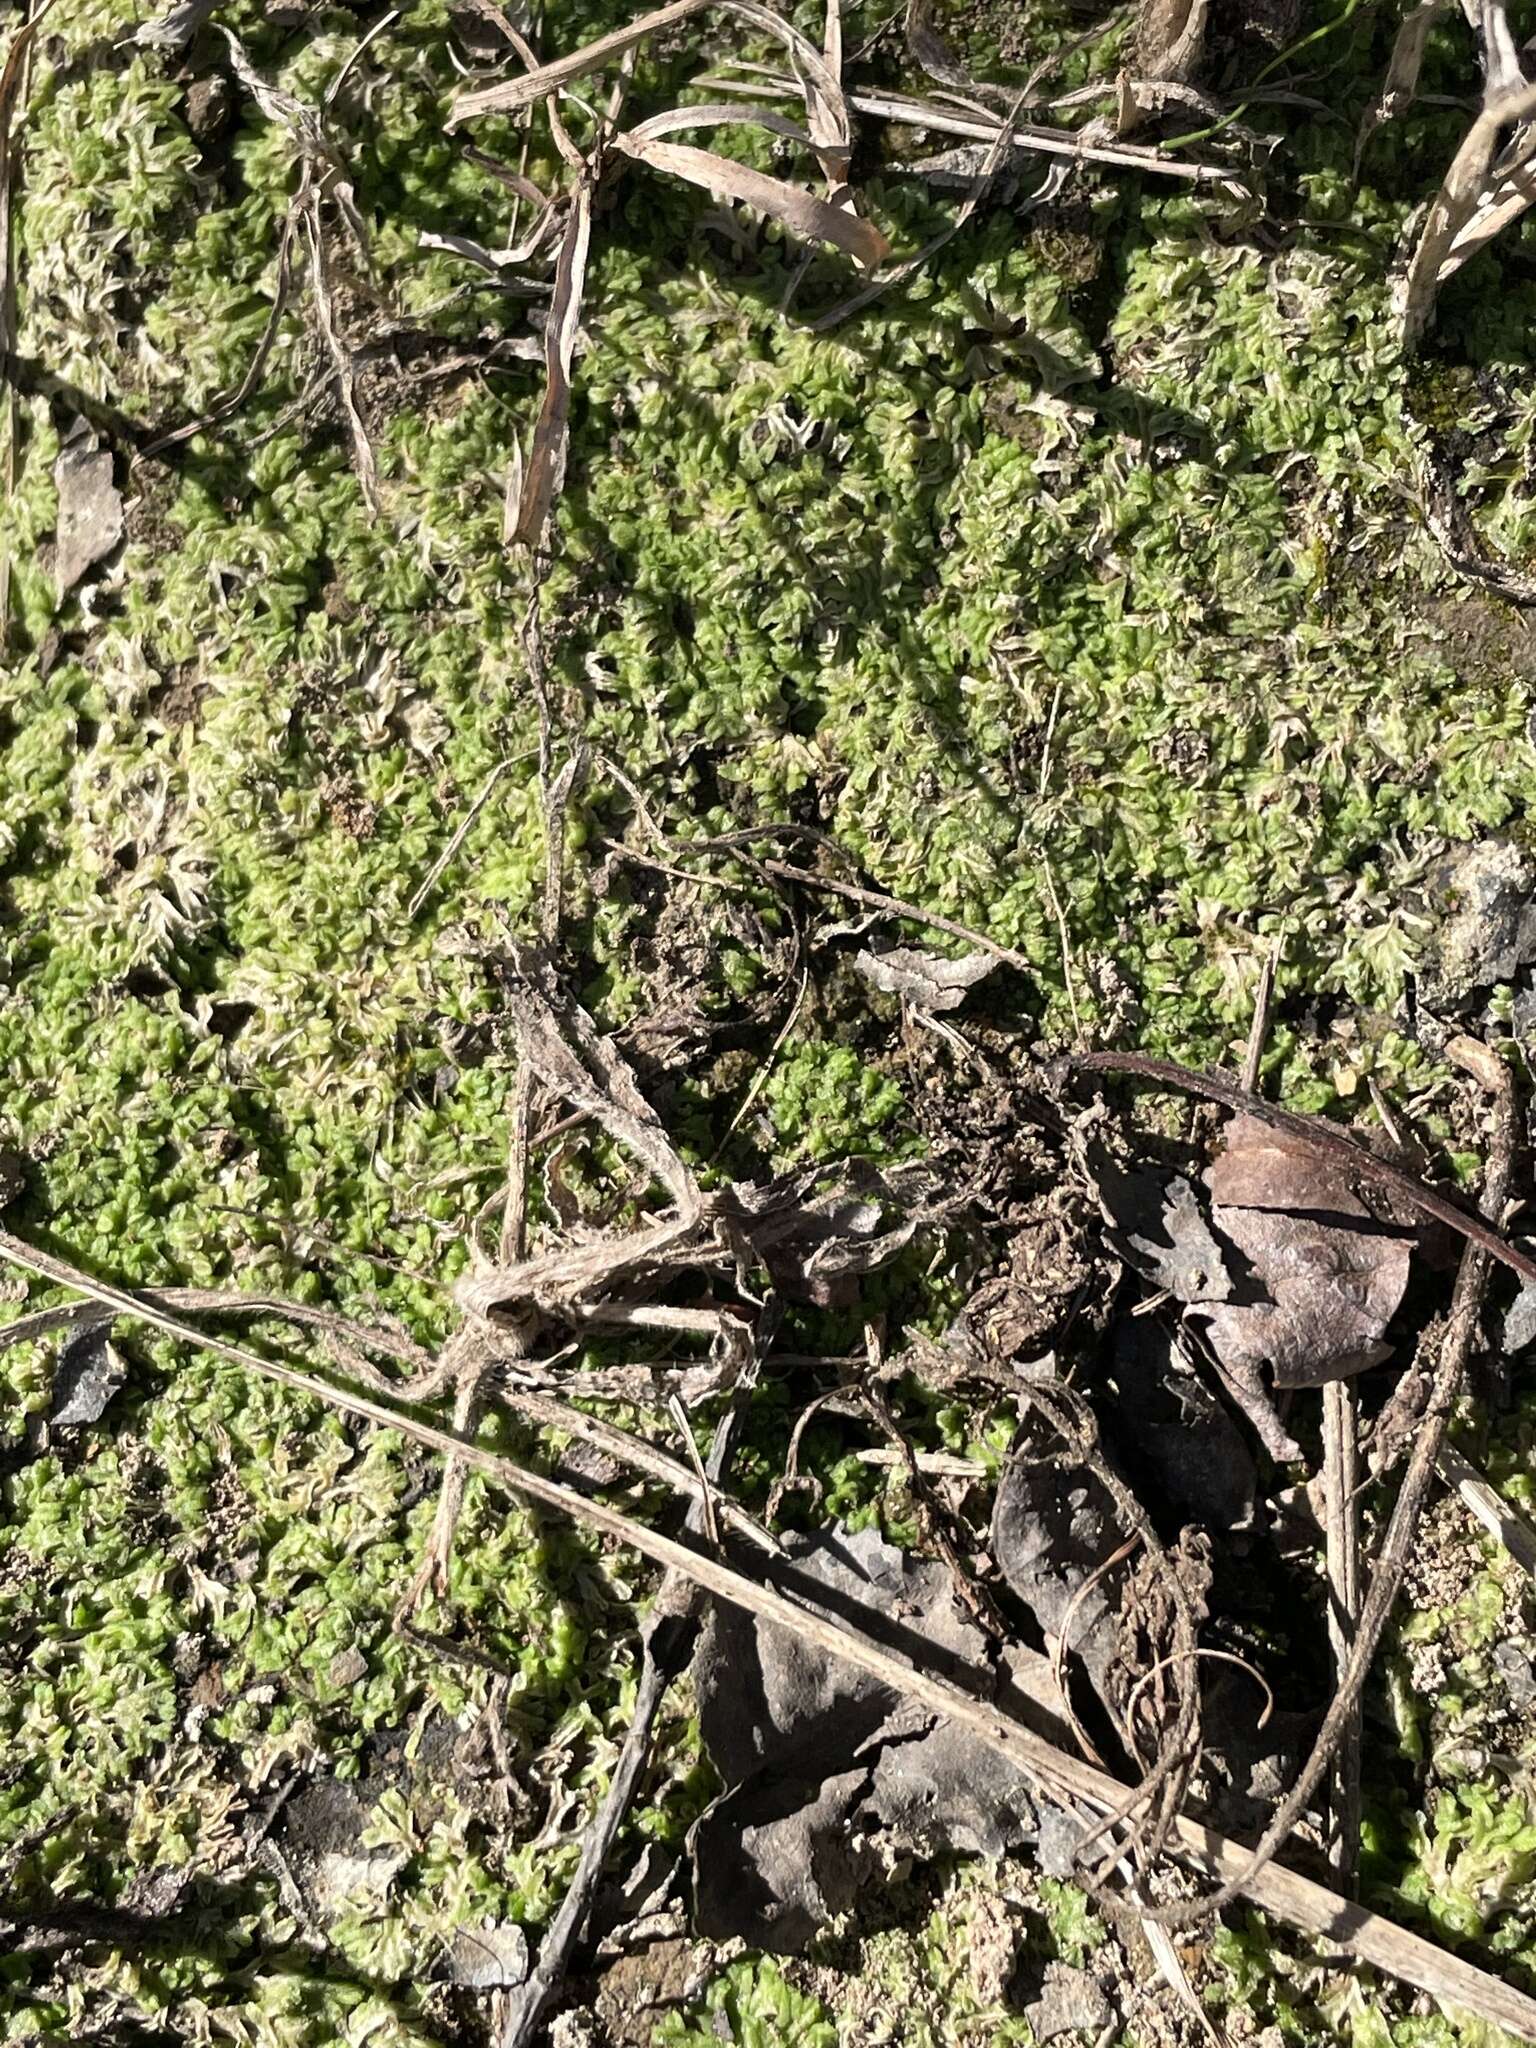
pixel 88 1373
pixel 90 519
pixel 928 981
pixel 829 1776
pixel 1333 1273
pixel 975 1427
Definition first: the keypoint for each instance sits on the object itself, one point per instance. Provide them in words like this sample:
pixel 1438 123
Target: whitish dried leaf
pixel 928 981
pixel 719 114
pixel 582 1068
pixel 819 1239
pixel 1333 1276
pixel 1170 41
pixel 801 212
pixel 1170 38
pixel 496 260
pixel 1520 1318
pixel 545 473
pixel 90 522
pixel 510 93
pixel 825 107
pixel 1496 49
pixel 488 1958
pixel 174 29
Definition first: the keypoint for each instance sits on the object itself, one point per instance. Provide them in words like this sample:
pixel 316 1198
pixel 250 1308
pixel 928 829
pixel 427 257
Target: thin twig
pixel 668 1640
pixel 1066 944
pixel 460 833
pixel 1341 1459
pixel 1263 1007
pixel 976 126
pixel 897 906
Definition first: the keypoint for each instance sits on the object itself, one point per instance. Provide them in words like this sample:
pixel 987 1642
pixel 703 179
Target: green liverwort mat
pixel 1077 589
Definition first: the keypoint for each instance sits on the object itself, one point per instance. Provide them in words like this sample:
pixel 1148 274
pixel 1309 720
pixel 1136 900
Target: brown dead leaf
pixel 1334 1275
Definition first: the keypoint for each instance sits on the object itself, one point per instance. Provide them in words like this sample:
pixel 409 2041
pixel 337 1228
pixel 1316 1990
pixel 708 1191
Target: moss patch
pixel 1084 570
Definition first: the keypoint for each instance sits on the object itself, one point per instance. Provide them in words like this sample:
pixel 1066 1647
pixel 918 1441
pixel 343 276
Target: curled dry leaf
pixel 1481 194
pixel 174 29
pixel 545 472
pixel 801 212
pixel 827 1771
pixel 928 981
pixel 1170 38
pixel 1403 67
pixel 1170 41
pixel 1333 1274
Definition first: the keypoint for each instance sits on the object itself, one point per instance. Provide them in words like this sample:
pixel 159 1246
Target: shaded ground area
pixel 1079 590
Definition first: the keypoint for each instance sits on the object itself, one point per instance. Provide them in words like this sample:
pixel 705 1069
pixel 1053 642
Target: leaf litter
pixel 840 1756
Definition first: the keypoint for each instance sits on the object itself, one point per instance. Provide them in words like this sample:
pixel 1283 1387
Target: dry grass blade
pixel 1293 1898
pixel 1476 199
pixel 718 114
pixel 818 82
pixel 545 472
pixel 801 212
pixel 976 126
pixel 226 408
pixel 1341 1458
pixel 1503 1521
pixel 821 86
pixel 509 94
pixel 897 906
pixel 1403 67
pixel 363 459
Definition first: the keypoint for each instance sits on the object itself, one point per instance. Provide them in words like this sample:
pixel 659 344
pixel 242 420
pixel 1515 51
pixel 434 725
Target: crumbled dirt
pixel 633 1993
